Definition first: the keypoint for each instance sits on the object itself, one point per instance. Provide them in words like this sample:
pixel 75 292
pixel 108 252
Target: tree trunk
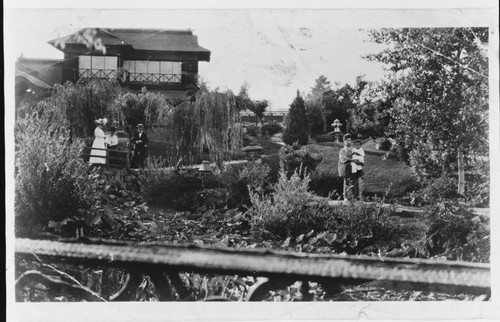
pixel 461 173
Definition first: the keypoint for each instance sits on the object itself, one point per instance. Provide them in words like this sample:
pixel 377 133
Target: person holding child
pixel 358 154
pixel 346 169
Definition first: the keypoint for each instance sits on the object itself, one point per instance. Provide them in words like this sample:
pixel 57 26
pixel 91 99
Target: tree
pixel 322 84
pixel 440 78
pixel 257 107
pixel 296 130
pixel 317 120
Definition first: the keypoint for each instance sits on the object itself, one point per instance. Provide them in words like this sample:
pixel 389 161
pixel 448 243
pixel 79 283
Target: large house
pixel 165 60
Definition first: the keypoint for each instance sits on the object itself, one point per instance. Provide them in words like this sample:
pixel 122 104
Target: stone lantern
pixel 336 130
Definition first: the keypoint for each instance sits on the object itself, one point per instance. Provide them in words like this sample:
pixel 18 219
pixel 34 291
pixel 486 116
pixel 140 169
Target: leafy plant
pixel 255 175
pixel 296 156
pixel 270 129
pixel 455 232
pixel 51 177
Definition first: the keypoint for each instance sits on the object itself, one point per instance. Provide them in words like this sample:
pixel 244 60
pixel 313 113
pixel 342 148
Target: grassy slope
pixel 379 173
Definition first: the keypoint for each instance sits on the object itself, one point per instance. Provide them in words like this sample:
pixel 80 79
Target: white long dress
pixel 98 156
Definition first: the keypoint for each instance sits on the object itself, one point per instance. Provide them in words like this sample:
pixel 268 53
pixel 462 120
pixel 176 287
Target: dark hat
pixel 347 136
pixel 112 129
pixel 357 140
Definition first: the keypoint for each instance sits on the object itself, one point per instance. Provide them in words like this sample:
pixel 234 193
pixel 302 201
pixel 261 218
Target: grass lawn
pixel 379 172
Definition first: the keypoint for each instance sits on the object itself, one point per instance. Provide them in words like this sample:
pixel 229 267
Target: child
pixel 358 154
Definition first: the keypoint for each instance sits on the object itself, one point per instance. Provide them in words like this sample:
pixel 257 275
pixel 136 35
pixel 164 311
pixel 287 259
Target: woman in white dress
pixel 98 156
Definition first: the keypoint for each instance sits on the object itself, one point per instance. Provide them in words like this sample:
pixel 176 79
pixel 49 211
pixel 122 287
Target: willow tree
pixel 212 121
pixel 439 77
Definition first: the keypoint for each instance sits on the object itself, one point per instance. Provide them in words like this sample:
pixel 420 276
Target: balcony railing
pixel 97 73
pixel 148 78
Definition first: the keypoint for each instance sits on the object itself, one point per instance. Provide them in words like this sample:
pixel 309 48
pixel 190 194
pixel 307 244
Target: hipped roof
pixel 142 39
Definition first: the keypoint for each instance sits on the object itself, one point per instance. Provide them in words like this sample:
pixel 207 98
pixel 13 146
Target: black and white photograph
pixel 340 159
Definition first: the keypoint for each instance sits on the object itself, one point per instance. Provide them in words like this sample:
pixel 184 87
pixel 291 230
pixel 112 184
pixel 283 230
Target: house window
pixel 149 71
pixel 97 66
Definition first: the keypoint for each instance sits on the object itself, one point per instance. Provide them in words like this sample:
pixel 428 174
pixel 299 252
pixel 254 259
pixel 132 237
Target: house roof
pixel 141 39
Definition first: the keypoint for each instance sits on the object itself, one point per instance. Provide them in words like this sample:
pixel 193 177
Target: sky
pixel 276 52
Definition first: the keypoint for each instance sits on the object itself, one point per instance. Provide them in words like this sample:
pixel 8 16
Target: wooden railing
pixel 152 78
pixel 163 263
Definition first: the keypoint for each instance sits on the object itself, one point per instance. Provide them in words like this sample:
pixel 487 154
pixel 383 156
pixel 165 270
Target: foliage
pixel 245 103
pixel 439 78
pixel 326 183
pixel 385 145
pixel 444 187
pixel 296 130
pixel 174 188
pixel 317 120
pixel 328 137
pixel 272 128
pixel 51 177
pixel 143 107
pixel 297 157
pixel 273 161
pixel 255 175
pixel 456 233
pixel 272 212
pixel 212 122
pixel 77 106
pixel 478 184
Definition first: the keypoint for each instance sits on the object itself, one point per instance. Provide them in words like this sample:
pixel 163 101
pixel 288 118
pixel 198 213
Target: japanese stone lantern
pixel 336 130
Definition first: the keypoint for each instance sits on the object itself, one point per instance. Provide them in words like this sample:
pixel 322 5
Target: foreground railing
pixel 163 263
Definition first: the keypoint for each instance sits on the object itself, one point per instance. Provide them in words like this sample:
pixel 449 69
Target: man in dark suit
pixel 140 142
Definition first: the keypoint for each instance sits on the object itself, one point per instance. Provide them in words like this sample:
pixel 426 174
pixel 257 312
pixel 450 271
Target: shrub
pixel 175 189
pixel 328 137
pixel 385 145
pixel 326 183
pixel 273 161
pixel 456 233
pixel 296 124
pixel 51 177
pixel 253 130
pixel 296 156
pixel 273 212
pixel 437 189
pixel 255 175
pixel 270 129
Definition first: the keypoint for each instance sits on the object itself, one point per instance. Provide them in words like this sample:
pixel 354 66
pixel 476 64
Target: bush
pixel 255 175
pixel 253 130
pixel 317 120
pixel 51 177
pixel 176 189
pixel 326 183
pixel 270 129
pixel 273 212
pixel 297 157
pixel 385 145
pixel 291 211
pixel 455 232
pixel 273 161
pixel 328 137
pixel 437 189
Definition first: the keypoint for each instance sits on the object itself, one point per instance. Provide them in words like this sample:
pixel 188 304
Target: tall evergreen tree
pixel 296 124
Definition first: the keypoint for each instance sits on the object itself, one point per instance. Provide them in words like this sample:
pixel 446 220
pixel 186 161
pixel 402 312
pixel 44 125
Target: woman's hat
pixel 101 121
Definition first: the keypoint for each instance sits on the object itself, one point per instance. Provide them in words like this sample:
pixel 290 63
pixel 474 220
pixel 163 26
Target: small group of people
pixel 105 146
pixel 351 162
